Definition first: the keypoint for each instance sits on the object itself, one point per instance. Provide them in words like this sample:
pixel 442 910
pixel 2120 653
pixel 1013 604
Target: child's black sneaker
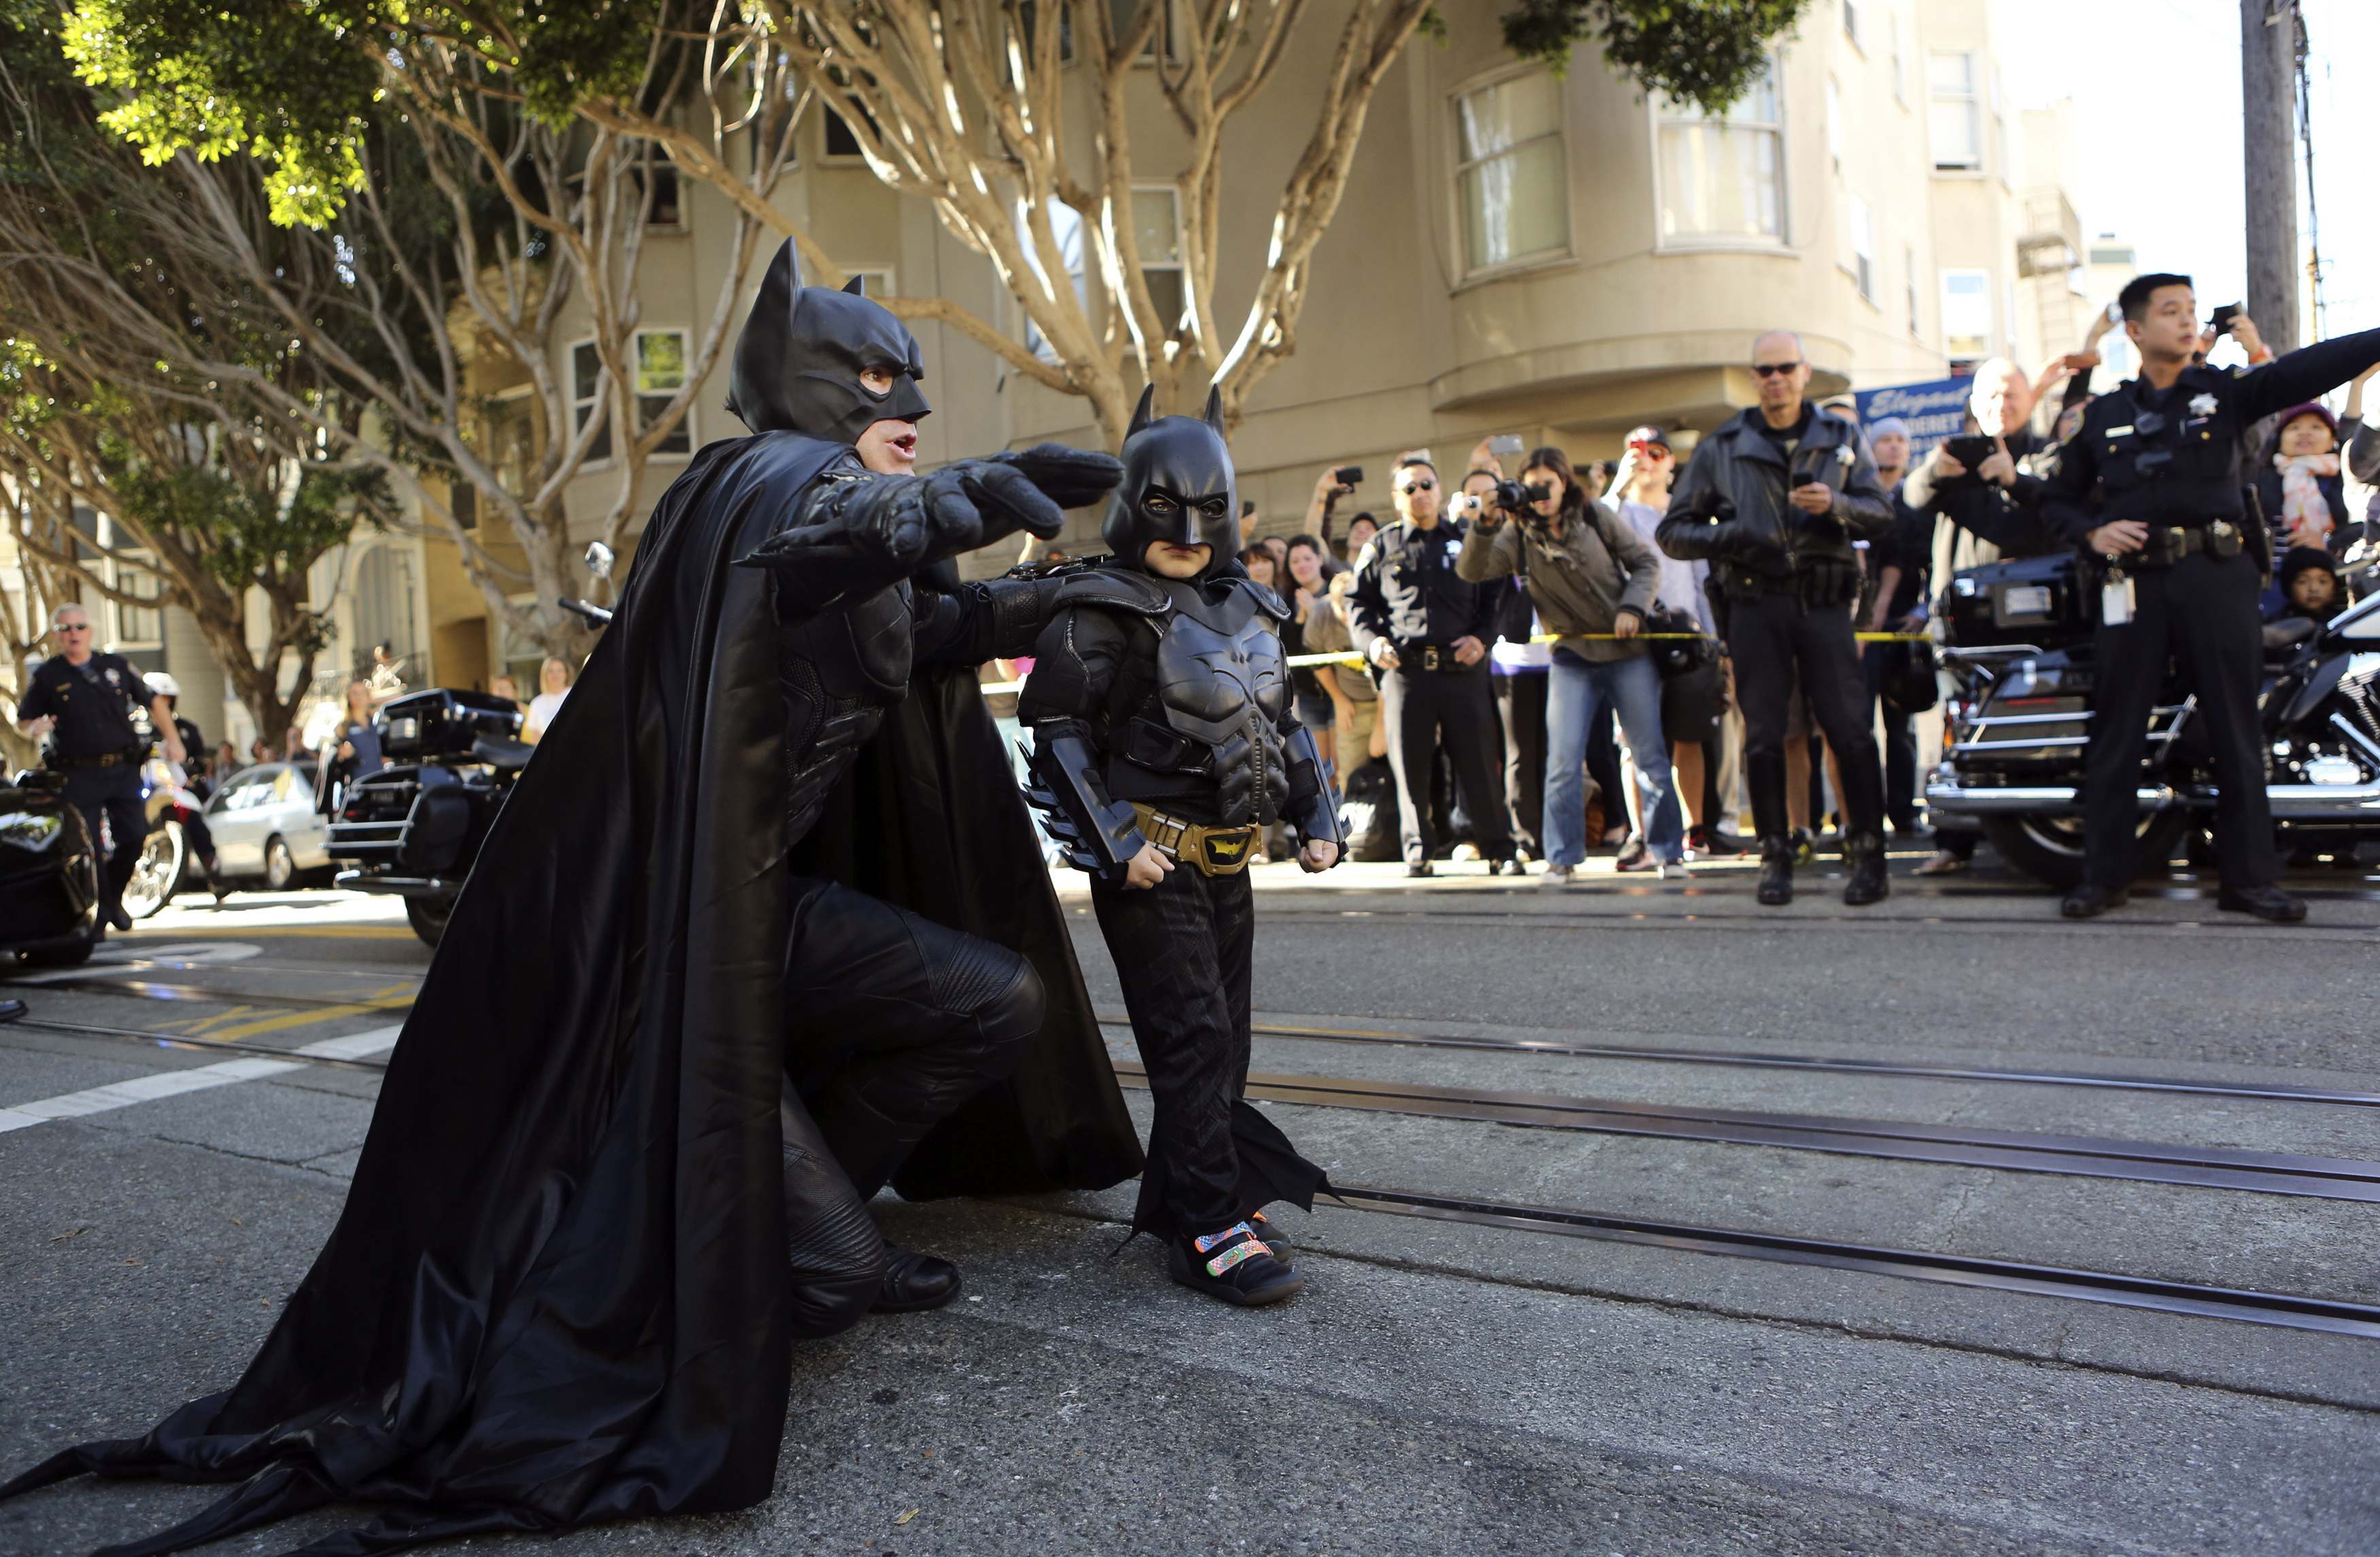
pixel 1269 1234
pixel 1234 1265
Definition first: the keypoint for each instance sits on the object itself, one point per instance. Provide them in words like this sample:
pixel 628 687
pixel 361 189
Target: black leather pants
pixel 893 1021
pixel 1769 637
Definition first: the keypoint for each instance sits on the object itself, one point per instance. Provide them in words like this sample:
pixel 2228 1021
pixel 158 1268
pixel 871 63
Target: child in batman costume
pixel 594 1213
pixel 1163 740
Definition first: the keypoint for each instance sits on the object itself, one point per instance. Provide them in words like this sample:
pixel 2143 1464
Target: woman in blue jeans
pixel 1592 578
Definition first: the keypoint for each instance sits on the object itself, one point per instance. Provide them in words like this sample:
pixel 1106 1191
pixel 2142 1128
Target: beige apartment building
pixel 1560 257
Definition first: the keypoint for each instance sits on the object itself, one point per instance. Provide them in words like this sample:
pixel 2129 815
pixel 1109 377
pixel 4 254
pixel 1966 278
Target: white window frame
pixel 1971 97
pixel 2001 151
pixel 828 157
pixel 662 167
pixel 1568 249
pixel 128 574
pixel 686 428
pixel 1859 246
pixel 1851 24
pixel 1177 266
pixel 1909 262
pixel 1990 324
pixel 1835 123
pixel 1899 64
pixel 1705 243
pixel 1080 273
pixel 581 406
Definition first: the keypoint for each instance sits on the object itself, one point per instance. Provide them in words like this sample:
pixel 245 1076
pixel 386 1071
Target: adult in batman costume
pixel 1163 740
pixel 600 1200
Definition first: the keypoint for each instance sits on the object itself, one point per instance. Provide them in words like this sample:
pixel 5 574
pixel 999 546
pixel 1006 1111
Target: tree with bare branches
pixel 966 105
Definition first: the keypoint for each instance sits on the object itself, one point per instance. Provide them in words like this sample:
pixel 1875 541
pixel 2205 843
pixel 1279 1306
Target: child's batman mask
pixel 1178 486
pixel 797 363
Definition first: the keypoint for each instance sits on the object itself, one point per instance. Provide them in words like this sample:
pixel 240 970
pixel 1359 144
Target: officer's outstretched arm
pixel 1073 669
pixel 2305 373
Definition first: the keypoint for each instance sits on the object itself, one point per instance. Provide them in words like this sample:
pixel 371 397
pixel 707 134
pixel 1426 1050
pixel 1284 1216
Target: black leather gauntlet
pixel 1099 834
pixel 1312 810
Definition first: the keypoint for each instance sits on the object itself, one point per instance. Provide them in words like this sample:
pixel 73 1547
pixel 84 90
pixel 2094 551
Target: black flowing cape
pixel 557 1292
pixel 930 818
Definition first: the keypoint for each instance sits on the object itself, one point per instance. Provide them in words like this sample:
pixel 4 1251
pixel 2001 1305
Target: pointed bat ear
pixel 1215 408
pixel 787 267
pixel 1141 415
pixel 854 289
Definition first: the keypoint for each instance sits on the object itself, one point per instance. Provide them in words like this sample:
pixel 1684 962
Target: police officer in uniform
pixel 85 702
pixel 1774 500
pixel 2151 483
pixel 1427 631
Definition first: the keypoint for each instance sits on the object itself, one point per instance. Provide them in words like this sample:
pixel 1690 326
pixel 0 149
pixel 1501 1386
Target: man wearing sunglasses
pixel 1426 631
pixel 1773 499
pixel 84 702
pixel 2150 483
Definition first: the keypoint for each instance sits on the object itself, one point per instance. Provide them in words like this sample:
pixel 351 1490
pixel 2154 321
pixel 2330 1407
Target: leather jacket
pixel 1731 507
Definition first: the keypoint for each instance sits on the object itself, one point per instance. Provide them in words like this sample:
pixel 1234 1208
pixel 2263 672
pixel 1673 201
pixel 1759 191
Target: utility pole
pixel 2268 84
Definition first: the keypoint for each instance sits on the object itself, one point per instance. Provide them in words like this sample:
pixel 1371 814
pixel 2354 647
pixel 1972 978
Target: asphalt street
pixel 1671 1225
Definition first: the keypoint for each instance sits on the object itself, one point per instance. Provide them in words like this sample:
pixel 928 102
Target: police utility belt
pixel 2168 544
pixel 1209 850
pixel 1427 656
pixel 131 756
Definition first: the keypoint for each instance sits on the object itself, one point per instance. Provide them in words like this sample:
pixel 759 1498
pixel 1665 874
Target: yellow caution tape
pixel 1302 662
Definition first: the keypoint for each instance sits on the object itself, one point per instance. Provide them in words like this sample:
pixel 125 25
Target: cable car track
pixel 1754 1059
pixel 2157 1295
pixel 2080 1156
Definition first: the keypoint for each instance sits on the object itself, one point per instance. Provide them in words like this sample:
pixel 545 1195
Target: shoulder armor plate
pixel 1267 600
pixel 1116 590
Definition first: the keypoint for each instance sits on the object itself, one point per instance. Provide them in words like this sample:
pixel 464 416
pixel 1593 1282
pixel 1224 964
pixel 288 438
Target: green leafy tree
pixel 462 207
pixel 961 104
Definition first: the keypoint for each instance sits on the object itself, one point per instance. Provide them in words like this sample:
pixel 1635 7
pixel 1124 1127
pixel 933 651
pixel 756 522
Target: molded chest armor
pixel 1222 680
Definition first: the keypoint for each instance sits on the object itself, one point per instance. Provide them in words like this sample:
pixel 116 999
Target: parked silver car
pixel 268 824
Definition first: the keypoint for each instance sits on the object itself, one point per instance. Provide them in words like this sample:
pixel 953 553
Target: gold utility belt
pixel 1209 850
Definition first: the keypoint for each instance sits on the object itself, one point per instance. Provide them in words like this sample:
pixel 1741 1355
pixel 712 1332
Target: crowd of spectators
pixel 1524 674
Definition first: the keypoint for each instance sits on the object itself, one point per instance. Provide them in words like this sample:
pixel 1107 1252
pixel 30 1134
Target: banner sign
pixel 1933 411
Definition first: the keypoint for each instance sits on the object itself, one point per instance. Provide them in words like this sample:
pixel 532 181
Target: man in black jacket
pixel 2151 483
pixel 1773 499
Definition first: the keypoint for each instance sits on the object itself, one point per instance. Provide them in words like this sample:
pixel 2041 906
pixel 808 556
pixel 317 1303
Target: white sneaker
pixel 1673 870
pixel 1466 851
pixel 1556 876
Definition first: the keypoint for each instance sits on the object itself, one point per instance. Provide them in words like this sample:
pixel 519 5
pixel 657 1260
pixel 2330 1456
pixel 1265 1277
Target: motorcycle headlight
pixel 30 831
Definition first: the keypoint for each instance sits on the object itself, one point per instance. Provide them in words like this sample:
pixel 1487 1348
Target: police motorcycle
pixel 49 873
pixel 2014 638
pixel 413 829
pixel 175 810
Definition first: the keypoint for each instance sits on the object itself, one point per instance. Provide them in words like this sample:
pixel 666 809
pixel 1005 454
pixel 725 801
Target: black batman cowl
pixel 1179 486
pixel 797 363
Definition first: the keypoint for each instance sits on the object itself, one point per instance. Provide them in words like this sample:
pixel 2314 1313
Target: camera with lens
pixel 1514 498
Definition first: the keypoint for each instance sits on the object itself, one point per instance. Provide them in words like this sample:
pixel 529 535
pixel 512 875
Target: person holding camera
pixel 1773 499
pixel 1592 578
pixel 1425 631
pixel 2151 484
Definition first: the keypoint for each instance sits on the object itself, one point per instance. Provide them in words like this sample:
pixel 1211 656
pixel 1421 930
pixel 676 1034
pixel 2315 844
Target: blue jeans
pixel 1580 690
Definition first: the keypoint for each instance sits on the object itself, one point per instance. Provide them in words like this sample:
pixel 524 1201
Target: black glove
pixel 1070 477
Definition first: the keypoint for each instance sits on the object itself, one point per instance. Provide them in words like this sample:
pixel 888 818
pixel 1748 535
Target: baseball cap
pixel 1647 437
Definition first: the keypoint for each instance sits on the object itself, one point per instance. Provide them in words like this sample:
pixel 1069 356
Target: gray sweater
pixel 1579 583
